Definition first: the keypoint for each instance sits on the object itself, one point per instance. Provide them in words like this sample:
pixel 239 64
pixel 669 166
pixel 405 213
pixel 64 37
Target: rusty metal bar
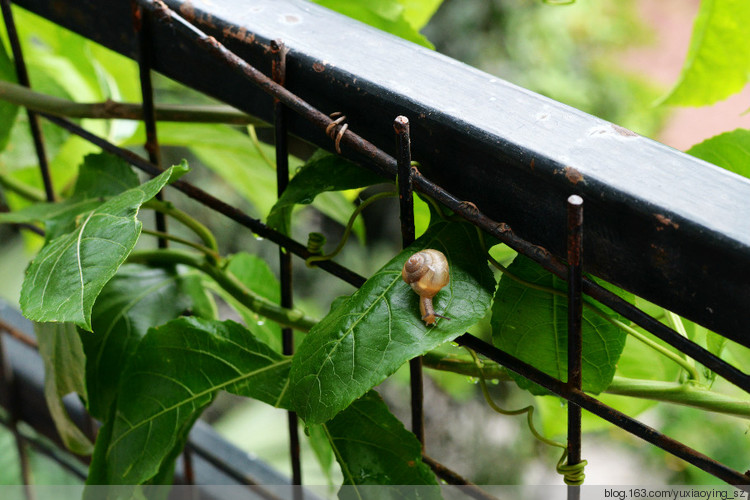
pixel 142 27
pixel 450 477
pixel 406 212
pixel 23 79
pixel 575 339
pixel 281 140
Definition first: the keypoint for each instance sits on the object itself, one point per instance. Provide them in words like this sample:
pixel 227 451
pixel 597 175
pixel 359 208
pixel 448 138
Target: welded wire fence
pixel 398 165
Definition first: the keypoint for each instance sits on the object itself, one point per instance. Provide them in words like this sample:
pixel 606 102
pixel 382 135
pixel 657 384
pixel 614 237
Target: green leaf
pixel 730 150
pixel 8 111
pixel 318 439
pixel 64 366
pixel 718 60
pixel 66 276
pixel 386 15
pixel 255 274
pixel 373 448
pixel 531 325
pixel 137 298
pixel 418 12
pixel 370 335
pixel 323 172
pixel 175 372
pixel 103 175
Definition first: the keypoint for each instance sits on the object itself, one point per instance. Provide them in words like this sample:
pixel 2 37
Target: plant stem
pixel 199 229
pixel 226 280
pixel 318 258
pixel 684 363
pixel 167 236
pixel 686 394
pixel 23 190
pixel 36 101
pixel 259 148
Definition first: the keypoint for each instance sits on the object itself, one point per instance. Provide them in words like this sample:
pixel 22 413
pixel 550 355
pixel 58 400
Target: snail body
pixel 427 273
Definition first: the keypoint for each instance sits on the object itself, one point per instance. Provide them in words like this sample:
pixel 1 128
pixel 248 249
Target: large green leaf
pixel 137 298
pixel 373 332
pixel 175 372
pixel 64 365
pixel 323 172
pixel 718 60
pixel 531 325
pixel 66 276
pixel 373 448
pixel 730 150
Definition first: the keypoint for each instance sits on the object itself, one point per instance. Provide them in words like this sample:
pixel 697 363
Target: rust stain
pixel 503 228
pixel 573 175
pixel 318 67
pixel 532 165
pixel 291 19
pixel 187 10
pixel 623 131
pixel 665 221
pixel 240 34
pixel 469 207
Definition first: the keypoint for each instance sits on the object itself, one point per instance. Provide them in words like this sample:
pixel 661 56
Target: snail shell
pixel 427 273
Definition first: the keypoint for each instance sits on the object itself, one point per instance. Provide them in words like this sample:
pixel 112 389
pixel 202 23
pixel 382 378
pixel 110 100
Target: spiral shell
pixel 427 272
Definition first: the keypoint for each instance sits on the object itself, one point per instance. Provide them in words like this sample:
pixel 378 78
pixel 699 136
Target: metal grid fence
pixel 349 144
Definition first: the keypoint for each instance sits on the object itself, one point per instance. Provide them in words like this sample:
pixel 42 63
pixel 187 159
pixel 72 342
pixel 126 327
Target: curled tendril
pixel 310 261
pixel 573 474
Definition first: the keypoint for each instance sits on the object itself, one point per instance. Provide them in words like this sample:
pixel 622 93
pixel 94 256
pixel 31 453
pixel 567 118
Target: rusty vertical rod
pixel 406 206
pixel 23 79
pixel 575 344
pixel 142 28
pixel 9 399
pixel 278 73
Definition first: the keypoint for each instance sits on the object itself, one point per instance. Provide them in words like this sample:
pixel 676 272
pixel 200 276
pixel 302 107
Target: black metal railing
pixel 508 166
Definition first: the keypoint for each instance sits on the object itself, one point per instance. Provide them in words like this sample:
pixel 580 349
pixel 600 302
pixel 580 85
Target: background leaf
pixel 137 298
pixel 66 276
pixel 730 150
pixel 370 335
pixel 8 111
pixel 718 60
pixel 64 368
pixel 387 15
pixel 532 325
pixel 373 448
pixel 174 374
pixel 323 172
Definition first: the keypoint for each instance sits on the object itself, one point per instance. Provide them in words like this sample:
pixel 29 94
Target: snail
pixel 427 273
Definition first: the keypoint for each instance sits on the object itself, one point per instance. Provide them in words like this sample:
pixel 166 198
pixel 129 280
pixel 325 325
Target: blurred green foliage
pixel 570 53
